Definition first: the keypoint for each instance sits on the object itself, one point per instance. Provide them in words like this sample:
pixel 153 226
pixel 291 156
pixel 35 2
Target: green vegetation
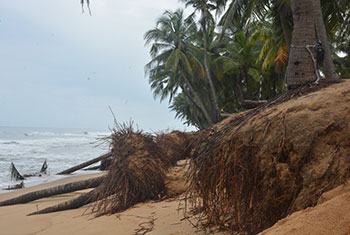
pixel 209 63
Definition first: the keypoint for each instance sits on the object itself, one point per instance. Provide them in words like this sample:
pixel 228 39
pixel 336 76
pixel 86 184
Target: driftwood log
pixel 85 164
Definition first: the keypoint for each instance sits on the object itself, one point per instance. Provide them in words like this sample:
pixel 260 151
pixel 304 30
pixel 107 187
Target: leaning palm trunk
pixel 85 164
pixel 199 103
pixel 61 189
pixel 72 204
pixel 322 35
pixel 207 72
pixel 301 67
pixel 283 13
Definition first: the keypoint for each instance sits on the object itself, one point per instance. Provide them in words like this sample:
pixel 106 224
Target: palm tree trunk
pixel 322 35
pixel 301 68
pixel 71 204
pixel 207 72
pixel 85 164
pixel 61 189
pixel 285 28
pixel 199 102
pixel 200 124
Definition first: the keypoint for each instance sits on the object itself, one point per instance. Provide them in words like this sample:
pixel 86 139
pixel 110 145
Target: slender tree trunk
pixel 208 75
pixel 71 204
pixel 301 69
pixel 199 123
pixel 199 102
pixel 66 188
pixel 85 164
pixel 322 35
pixel 284 23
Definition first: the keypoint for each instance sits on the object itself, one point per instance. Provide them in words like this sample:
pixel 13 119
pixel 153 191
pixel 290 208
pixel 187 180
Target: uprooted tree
pixel 137 173
pixel 246 172
pixel 259 166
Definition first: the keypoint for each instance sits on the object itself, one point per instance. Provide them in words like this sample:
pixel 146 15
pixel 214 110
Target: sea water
pixel 28 148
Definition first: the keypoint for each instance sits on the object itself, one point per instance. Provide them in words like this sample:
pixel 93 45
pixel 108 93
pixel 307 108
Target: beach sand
pixel 330 216
pixel 164 217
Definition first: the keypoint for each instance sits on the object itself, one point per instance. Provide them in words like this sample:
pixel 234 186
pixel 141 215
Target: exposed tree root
pixel 259 166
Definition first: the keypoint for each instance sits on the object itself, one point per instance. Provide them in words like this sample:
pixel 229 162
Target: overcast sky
pixel 61 68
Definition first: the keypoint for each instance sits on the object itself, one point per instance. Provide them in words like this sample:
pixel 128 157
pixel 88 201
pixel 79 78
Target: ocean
pixel 28 148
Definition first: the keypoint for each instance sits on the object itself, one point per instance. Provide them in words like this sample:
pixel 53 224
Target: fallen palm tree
pixel 176 145
pixel 257 167
pixel 136 173
pixel 15 175
pixel 72 204
pixel 85 164
pixel 61 189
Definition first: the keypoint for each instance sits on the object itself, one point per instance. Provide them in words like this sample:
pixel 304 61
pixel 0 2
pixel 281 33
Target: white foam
pixel 61 149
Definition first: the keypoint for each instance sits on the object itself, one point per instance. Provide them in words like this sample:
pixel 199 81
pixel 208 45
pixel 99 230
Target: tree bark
pixel 66 188
pixel 301 69
pixel 199 102
pixel 322 35
pixel 198 123
pixel 284 23
pixel 85 164
pixel 71 204
pixel 207 72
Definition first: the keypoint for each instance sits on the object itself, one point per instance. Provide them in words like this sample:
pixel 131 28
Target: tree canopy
pixel 207 64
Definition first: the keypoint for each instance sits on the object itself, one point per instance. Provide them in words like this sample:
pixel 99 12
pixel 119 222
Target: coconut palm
pixel 332 25
pixel 175 59
pixel 204 7
pixel 301 68
pixel 188 111
pixel 241 72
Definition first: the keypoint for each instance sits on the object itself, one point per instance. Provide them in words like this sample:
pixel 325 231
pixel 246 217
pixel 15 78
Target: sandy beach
pixel 164 217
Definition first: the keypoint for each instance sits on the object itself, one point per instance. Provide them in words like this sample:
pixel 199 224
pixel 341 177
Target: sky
pixel 60 68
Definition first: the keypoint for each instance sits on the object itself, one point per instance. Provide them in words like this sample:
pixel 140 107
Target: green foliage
pixel 246 43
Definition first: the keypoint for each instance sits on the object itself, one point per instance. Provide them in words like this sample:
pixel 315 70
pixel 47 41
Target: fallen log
pixel 65 188
pixel 85 164
pixel 71 204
